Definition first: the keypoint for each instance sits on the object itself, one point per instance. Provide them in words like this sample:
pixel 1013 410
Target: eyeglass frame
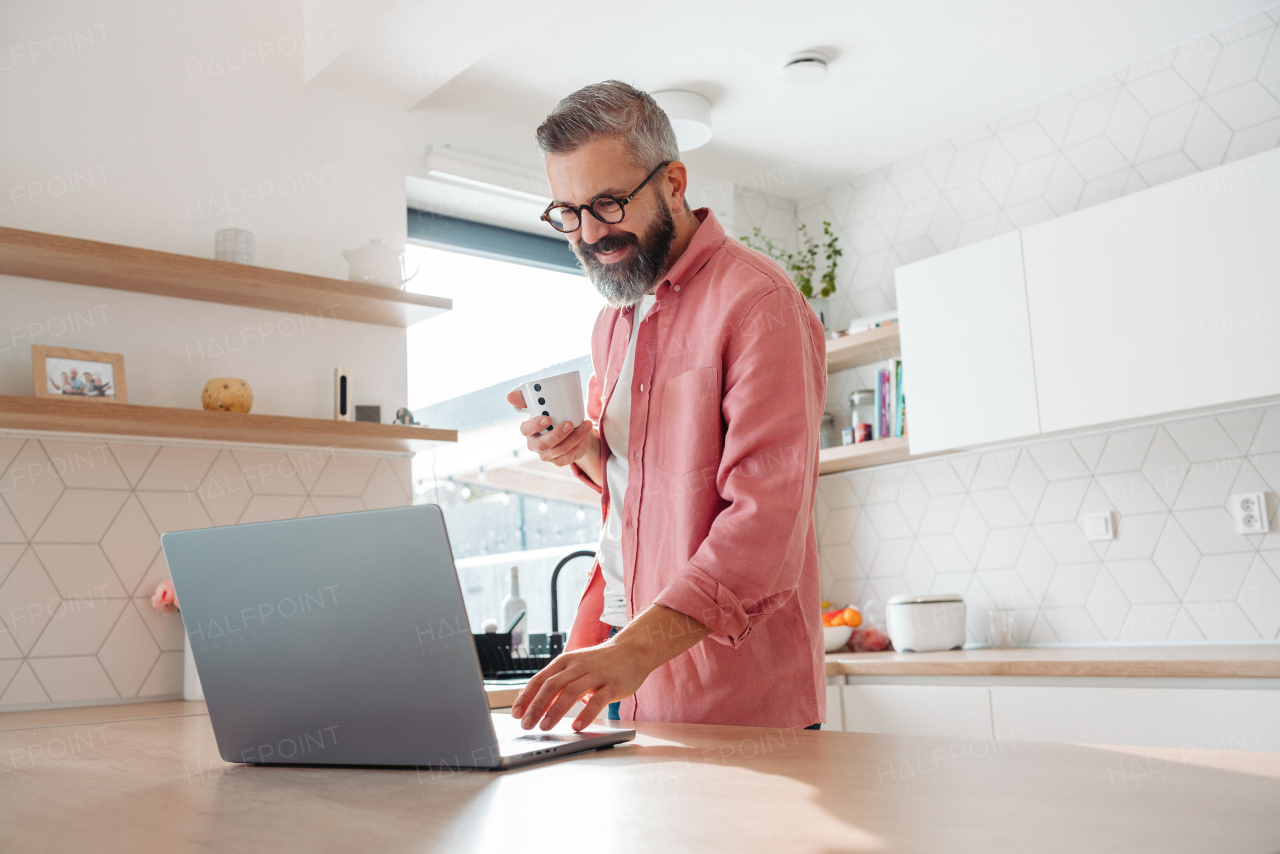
pixel 622 202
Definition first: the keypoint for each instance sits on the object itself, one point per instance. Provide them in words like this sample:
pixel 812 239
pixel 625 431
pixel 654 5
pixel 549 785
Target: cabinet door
pixel 1207 719
pixel 1164 300
pixel 835 707
pixel 954 712
pixel 966 347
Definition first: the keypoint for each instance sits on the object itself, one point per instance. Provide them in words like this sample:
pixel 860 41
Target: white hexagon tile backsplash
pixel 80 525
pixel 1004 528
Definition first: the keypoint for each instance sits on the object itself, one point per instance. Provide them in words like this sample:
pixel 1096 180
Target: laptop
pixel 344 640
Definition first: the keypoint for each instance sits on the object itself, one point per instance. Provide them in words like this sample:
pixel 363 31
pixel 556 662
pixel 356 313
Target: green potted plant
pixel 802 265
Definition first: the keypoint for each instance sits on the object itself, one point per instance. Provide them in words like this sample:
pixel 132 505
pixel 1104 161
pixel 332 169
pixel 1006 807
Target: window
pixel 508 320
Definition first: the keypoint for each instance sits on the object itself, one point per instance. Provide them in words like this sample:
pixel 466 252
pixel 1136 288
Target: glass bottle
pixel 862 414
pixel 828 436
pixel 513 606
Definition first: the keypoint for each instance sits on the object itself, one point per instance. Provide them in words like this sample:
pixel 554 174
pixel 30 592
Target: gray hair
pixel 611 108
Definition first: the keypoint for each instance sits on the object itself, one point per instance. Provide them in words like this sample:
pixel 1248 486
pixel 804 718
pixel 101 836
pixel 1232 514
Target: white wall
pixel 172 346
pixel 134 123
pixel 131 126
pixel 183 120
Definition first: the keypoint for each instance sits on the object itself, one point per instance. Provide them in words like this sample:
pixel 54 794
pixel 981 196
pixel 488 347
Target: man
pixel 708 385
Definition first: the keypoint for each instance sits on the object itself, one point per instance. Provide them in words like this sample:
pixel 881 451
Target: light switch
pixel 1099 526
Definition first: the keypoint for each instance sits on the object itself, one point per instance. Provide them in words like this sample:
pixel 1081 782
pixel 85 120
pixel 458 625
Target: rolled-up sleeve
pixel 774 390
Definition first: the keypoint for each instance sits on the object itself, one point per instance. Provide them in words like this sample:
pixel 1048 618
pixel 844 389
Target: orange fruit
pixel 851 617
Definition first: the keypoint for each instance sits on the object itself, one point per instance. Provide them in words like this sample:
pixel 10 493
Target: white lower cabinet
pixel 1203 719
pixel 1159 713
pixel 955 712
pixel 835 706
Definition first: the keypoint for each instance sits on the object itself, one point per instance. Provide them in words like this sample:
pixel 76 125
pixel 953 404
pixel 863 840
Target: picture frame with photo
pixel 71 374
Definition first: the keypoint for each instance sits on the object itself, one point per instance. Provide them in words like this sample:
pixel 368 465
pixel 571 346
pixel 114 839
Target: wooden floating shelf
pixel 863 348
pixel 876 452
pixel 107 265
pixel 87 416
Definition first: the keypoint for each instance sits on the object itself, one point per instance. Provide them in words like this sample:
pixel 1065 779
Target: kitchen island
pixel 149 778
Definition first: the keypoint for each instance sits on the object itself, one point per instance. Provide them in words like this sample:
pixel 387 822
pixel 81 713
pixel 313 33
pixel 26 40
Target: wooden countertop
pixel 1248 661
pixel 502 696
pixel 149 778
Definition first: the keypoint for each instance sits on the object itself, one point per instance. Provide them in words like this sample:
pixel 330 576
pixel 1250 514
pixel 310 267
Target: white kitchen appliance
pixel 925 622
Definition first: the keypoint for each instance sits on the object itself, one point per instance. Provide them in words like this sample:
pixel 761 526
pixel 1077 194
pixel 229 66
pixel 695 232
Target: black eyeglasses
pixel 607 209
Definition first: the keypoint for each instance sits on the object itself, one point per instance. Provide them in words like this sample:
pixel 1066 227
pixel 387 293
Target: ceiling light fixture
pixel 690 115
pixel 807 68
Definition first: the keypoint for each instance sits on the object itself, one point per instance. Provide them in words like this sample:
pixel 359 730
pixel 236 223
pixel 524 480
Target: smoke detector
pixel 690 115
pixel 807 68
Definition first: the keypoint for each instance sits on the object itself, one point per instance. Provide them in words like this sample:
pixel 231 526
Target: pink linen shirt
pixel 727 396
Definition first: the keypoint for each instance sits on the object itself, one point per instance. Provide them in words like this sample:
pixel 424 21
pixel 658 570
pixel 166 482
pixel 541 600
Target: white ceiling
pixel 903 74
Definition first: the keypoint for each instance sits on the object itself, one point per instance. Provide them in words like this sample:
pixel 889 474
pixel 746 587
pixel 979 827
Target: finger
pixel 590 712
pixel 567 450
pixel 569 695
pixel 551 437
pixel 550 440
pixel 529 426
pixel 544 698
pixel 530 690
pixel 516 398
pixel 554 441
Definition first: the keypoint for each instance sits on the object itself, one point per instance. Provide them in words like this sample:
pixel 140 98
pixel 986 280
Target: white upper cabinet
pixel 1164 300
pixel 966 347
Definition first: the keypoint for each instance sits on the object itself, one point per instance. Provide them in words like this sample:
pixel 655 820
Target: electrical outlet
pixel 1250 512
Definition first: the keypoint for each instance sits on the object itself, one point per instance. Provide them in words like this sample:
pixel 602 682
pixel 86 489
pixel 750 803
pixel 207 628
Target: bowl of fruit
pixel 838 626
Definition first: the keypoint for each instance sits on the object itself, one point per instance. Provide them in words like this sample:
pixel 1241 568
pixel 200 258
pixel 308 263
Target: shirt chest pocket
pixel 689 421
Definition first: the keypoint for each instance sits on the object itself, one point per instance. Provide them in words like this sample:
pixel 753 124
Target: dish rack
pixel 499 661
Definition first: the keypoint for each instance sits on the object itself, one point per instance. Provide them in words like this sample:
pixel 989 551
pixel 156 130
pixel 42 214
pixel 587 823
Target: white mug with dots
pixel 558 397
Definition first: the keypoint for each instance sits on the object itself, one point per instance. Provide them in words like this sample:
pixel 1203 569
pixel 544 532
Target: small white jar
pixel 925 622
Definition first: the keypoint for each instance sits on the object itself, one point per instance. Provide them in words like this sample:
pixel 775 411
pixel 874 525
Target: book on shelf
pixel 890 403
pixel 899 402
pixel 877 431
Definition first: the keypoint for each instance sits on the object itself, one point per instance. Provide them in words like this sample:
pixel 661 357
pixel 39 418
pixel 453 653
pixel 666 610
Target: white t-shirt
pixel 615 425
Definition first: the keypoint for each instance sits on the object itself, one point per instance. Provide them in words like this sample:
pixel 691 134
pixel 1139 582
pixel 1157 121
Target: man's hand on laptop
pixel 611 671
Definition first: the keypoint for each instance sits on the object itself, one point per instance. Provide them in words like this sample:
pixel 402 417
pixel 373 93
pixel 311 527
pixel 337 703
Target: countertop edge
pixel 1262 662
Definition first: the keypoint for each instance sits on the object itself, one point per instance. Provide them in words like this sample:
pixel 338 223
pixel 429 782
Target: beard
pixel 623 283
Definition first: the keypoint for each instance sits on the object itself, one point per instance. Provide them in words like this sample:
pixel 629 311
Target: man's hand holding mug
pixel 558 431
